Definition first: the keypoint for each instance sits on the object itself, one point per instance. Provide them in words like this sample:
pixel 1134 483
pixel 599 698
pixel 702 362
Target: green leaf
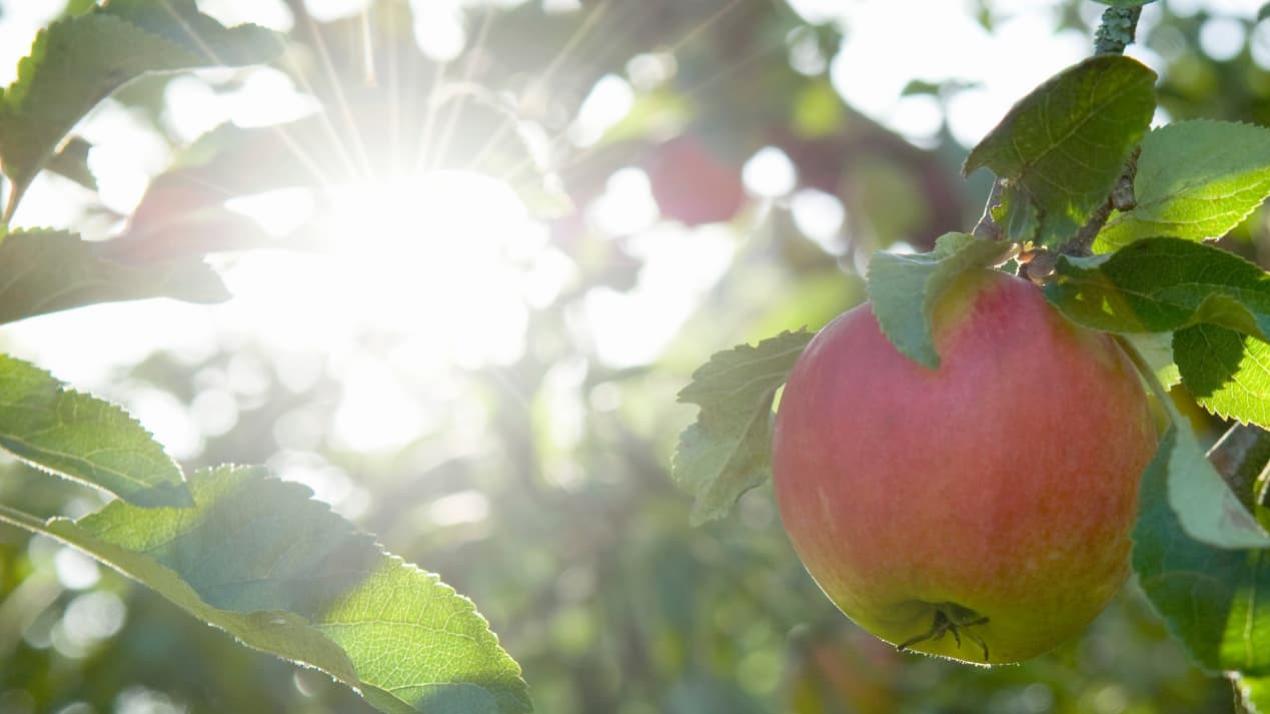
pixel 1195 180
pixel 78 61
pixel 728 450
pixel 1227 373
pixel 1255 692
pixel 1017 216
pixel 181 23
pixel 1213 599
pixel 905 289
pixel 83 438
pixel 47 271
pixel 1206 508
pixel 1157 349
pixel 1125 3
pixel 259 559
pixel 1064 145
pixel 1161 285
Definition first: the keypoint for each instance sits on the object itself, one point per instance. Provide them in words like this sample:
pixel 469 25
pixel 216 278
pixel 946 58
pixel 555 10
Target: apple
pixel 980 511
pixel 692 184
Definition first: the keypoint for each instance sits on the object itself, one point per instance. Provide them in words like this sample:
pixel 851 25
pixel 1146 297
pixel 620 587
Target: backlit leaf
pixel 728 450
pixel 47 271
pixel 1064 145
pixel 80 60
pixel 259 559
pixel 83 438
pixel 1255 692
pixel 1227 373
pixel 1195 180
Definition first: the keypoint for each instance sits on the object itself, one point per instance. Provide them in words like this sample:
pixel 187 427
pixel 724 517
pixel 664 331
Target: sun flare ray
pixel 459 101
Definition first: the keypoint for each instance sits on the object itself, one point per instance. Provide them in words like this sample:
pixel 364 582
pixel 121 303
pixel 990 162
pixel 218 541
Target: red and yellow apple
pixel 979 511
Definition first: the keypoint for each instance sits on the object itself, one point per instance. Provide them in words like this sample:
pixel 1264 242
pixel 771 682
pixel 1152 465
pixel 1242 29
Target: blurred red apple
pixel 980 511
pixel 692 184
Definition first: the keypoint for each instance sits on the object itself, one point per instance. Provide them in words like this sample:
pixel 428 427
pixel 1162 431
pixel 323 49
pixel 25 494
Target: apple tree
pixel 1100 224
pixel 1110 220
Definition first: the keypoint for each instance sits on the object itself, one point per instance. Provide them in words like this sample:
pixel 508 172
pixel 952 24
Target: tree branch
pixel 1121 199
pixel 1118 29
pixel 1240 456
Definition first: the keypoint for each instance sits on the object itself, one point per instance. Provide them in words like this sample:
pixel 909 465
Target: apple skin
pixel 1002 485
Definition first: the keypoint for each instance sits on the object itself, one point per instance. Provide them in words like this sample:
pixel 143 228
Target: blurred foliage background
pixel 697 173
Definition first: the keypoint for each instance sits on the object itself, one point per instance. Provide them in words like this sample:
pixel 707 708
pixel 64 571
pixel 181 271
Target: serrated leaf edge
pixel 972 164
pixel 685 397
pixel 698 516
pixel 1121 217
pixel 29 65
pixel 65 390
pixel 487 634
pixel 1096 261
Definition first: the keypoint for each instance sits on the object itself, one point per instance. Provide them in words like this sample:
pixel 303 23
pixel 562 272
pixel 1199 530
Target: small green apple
pixel 980 511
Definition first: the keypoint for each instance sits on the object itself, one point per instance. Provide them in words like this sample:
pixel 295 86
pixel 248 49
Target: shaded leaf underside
pixel 48 271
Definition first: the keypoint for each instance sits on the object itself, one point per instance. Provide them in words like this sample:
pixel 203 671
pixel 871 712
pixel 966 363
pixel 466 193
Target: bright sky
pixel 458 303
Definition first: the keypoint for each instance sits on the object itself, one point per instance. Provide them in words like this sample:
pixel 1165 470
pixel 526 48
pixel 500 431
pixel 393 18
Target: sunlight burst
pixel 445 252
pixel 445 258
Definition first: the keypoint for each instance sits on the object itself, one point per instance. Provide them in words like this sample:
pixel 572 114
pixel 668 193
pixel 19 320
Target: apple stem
pixel 950 618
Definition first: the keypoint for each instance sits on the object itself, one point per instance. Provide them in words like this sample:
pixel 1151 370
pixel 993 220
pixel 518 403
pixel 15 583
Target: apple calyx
pixel 949 617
